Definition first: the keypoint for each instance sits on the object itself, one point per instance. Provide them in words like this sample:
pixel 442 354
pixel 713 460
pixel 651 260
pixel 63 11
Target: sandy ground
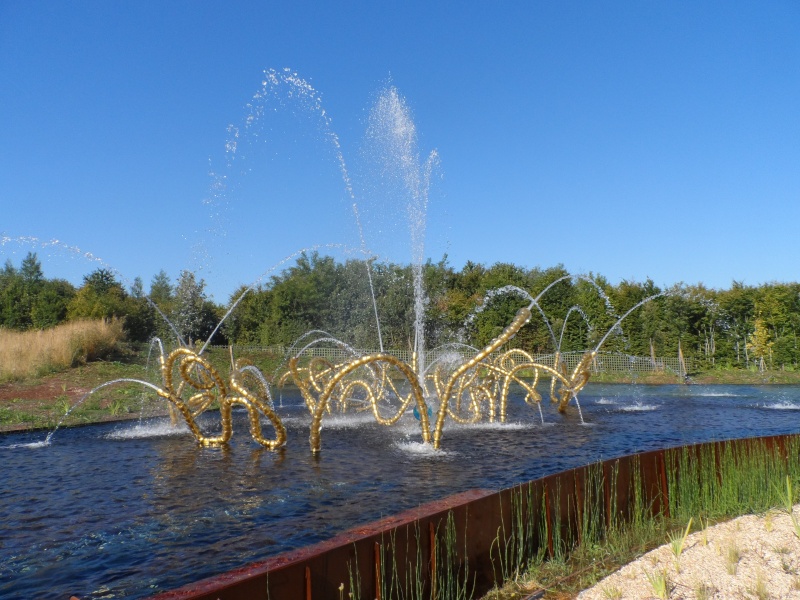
pixel 749 557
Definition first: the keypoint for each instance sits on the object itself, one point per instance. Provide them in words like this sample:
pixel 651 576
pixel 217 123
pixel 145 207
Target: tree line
pixel 28 300
pixel 737 327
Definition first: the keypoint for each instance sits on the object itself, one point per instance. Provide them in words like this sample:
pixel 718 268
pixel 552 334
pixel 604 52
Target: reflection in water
pixel 109 510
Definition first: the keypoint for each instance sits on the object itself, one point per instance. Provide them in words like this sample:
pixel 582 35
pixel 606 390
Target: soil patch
pixel 42 402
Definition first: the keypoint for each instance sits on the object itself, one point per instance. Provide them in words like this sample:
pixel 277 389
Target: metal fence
pixel 605 362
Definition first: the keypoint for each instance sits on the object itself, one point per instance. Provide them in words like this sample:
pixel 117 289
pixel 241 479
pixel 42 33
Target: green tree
pixel 161 290
pixel 31 270
pixel 100 297
pixel 14 310
pixel 760 343
pixel 137 289
pixel 50 306
pixel 737 309
pixel 193 315
pixel 778 305
pixel 28 300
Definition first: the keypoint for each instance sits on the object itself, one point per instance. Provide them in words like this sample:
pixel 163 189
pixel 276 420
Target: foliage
pixel 192 314
pixel 103 297
pixel 28 300
pixel 744 326
pixel 760 345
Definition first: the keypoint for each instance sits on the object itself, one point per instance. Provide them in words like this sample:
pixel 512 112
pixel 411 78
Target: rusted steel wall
pixel 552 510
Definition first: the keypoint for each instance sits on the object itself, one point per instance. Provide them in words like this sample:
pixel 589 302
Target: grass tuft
pixel 732 556
pixel 32 353
pixel 660 583
pixel 704 591
pixel 759 587
pixel 677 543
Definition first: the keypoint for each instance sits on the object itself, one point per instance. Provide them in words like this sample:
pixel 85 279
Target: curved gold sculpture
pixel 197 373
pixel 476 388
pixel 416 394
pixel 477 382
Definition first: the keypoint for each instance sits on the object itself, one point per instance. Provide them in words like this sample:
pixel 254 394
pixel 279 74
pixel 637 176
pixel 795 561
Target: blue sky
pixel 630 139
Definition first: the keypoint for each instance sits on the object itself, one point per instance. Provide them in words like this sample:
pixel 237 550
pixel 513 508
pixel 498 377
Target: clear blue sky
pixel 630 139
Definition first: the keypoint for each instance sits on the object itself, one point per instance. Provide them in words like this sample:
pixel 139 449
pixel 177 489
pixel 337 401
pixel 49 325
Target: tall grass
pixel 447 578
pixel 729 480
pixel 596 535
pixel 31 353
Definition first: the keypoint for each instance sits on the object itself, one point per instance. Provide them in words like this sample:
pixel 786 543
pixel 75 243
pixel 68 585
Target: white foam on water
pixel 606 401
pixel 423 449
pixel 148 431
pixel 781 406
pixel 717 395
pixel 639 407
pixel 347 421
pixel 41 444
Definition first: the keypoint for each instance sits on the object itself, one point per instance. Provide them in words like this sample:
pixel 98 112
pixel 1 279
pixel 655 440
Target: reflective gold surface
pixel 477 388
pixel 380 388
pixel 244 389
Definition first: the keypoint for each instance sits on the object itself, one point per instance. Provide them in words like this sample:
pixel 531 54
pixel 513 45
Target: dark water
pixel 110 511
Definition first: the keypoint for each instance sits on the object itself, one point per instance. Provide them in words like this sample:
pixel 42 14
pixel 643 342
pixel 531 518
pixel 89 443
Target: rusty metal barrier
pixel 373 560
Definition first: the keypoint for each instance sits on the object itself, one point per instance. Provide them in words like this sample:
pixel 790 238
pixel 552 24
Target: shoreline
pixel 40 403
pixel 718 377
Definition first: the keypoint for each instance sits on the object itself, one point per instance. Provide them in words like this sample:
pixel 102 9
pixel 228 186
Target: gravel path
pixel 749 557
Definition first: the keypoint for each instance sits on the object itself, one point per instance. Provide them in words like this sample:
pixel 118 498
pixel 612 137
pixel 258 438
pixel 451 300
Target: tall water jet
pixel 392 139
pixel 280 89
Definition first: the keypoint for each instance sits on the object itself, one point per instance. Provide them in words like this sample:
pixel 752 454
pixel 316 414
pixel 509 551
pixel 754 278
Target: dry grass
pixel 30 353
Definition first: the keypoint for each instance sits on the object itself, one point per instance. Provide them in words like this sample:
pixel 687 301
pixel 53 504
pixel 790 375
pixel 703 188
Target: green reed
pixel 607 522
pixel 726 480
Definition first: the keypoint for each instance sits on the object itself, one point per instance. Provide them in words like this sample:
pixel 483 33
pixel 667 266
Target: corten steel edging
pixel 316 571
pixel 554 508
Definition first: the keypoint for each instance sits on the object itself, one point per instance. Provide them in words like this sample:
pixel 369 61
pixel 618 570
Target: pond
pixel 128 510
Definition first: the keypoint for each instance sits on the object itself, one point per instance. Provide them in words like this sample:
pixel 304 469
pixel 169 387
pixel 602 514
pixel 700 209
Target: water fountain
pixel 375 381
pixel 115 510
pixel 480 382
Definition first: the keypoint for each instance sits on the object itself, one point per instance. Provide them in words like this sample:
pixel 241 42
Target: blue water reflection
pixel 114 511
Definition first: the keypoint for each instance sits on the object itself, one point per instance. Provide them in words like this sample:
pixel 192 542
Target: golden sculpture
pixel 477 388
pixel 198 374
pixel 476 382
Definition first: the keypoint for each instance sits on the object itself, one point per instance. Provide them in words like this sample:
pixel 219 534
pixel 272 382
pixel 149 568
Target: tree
pixel 192 314
pixel 243 326
pixel 50 306
pixel 140 322
pixel 102 297
pixel 137 289
pixel 31 269
pixel 13 313
pixel 737 307
pixel 101 281
pixel 760 344
pixel 18 292
pixel 28 300
pixel 161 290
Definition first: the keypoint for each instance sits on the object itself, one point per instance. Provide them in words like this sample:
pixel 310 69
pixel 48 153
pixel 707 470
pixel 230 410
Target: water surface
pixel 117 510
